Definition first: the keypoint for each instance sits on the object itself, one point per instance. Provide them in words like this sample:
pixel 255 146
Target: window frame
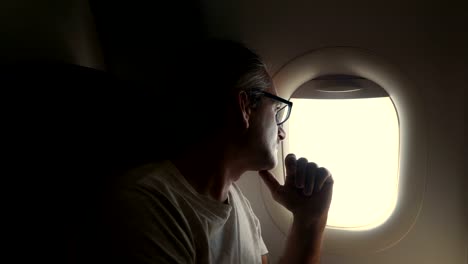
pixel 413 143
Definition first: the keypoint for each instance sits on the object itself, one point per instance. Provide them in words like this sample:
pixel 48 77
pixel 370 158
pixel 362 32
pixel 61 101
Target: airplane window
pixel 358 141
pixel 362 118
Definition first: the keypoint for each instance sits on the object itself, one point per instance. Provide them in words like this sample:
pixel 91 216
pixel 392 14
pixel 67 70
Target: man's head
pixel 263 115
pixel 228 95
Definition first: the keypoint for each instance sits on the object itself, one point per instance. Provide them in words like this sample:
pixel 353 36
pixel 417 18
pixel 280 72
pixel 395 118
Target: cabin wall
pixel 141 38
pixel 49 30
pixel 427 43
pixel 133 40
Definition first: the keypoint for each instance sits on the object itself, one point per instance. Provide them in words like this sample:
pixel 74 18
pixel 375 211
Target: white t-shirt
pixel 164 220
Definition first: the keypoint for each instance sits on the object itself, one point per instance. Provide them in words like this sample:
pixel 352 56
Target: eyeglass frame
pixel 276 98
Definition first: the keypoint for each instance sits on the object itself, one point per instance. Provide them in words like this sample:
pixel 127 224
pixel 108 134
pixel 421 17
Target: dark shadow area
pixel 69 133
pixel 140 37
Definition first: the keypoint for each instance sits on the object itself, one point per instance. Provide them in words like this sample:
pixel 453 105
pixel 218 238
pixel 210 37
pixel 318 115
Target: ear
pixel 245 108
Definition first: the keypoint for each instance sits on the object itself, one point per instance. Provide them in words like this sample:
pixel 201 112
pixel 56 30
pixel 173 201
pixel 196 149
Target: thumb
pixel 270 181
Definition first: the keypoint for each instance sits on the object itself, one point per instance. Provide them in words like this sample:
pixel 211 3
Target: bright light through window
pixel 358 141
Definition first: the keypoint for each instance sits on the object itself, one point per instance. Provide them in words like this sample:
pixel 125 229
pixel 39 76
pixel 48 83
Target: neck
pixel 209 174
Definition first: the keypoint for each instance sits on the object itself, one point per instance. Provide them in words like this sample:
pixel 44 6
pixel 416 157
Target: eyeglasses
pixel 284 107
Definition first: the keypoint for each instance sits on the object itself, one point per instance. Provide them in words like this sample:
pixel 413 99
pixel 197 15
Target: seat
pixel 69 130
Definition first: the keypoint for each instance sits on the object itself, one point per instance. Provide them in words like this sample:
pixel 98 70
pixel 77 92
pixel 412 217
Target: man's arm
pixel 303 244
pixel 307 193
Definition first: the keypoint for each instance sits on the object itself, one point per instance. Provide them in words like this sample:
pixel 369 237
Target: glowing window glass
pixel 358 141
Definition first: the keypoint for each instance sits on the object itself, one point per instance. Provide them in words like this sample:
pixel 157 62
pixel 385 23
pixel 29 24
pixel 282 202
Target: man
pixel 188 209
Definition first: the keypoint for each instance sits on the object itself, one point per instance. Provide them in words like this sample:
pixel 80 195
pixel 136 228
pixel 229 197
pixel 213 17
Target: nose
pixel 281 132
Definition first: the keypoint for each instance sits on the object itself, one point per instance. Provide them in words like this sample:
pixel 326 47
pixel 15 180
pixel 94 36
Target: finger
pixel 270 180
pixel 323 175
pixel 310 176
pixel 290 163
pixel 326 193
pixel 300 172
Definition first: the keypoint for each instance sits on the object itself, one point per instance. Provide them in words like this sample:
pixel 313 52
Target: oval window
pixel 350 126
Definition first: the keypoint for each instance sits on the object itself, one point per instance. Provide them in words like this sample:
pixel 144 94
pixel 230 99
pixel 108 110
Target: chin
pixel 271 166
pixel 270 161
pixel 264 159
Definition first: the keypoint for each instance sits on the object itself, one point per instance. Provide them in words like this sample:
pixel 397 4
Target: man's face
pixel 265 135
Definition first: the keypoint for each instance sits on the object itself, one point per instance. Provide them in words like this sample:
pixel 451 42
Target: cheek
pixel 268 130
pixel 271 129
pixel 274 131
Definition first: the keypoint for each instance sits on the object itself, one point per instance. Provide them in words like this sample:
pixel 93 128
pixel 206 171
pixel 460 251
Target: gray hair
pixel 257 77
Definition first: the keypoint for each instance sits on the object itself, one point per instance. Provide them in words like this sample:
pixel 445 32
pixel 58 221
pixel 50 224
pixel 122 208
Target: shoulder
pixel 151 181
pixel 147 192
pixel 144 216
pixel 143 201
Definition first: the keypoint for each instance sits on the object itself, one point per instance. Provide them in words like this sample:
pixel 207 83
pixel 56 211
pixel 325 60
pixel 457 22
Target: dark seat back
pixel 69 131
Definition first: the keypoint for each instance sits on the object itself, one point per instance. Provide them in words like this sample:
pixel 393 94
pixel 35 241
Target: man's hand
pixel 307 192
